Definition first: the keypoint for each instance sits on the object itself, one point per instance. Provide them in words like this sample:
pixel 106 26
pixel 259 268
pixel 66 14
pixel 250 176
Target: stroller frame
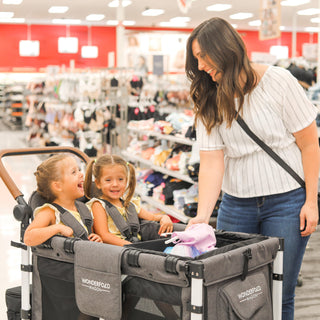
pixel 23 213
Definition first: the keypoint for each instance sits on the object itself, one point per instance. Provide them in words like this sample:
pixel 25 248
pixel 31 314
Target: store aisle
pixel 21 170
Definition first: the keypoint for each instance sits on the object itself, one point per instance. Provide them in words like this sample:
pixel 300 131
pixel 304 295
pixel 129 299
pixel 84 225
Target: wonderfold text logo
pixel 250 294
pixel 96 285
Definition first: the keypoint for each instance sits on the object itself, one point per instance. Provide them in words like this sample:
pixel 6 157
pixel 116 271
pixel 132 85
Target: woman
pixel 259 195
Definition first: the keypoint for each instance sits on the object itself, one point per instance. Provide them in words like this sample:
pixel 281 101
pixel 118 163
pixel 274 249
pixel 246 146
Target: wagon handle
pixel 12 187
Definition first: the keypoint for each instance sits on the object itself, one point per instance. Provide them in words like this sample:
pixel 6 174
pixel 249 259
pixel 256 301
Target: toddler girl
pixel 59 181
pixel 116 181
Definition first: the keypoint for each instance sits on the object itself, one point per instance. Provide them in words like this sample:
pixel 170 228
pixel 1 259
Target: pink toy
pixel 201 236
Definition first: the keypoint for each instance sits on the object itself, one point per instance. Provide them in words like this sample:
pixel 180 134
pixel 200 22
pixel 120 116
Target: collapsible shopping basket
pixel 241 279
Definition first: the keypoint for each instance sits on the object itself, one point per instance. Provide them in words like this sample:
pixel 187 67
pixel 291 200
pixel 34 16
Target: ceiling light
pixel 128 23
pixel 152 12
pixel 12 1
pixel 95 17
pixel 115 3
pixel 13 20
pixel 293 3
pixel 308 12
pixel 241 16
pixel 112 22
pixel 66 21
pixel 58 9
pixel 172 24
pixel 6 15
pixel 124 22
pixel 282 28
pixel 311 29
pixel 180 19
pixel 254 23
pixel 219 7
pixel 315 20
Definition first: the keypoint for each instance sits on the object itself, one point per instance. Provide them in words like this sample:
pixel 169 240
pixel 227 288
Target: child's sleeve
pixel 48 205
pixel 137 203
pixel 92 201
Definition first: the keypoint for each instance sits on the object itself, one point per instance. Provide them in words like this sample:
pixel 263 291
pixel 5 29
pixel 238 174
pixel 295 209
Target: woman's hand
pixel 166 225
pixel 308 219
pixel 196 220
pixel 94 237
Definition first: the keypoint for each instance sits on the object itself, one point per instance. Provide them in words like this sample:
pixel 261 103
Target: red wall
pixel 105 39
pixel 251 39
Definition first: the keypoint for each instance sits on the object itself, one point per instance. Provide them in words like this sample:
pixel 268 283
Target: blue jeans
pixel 276 216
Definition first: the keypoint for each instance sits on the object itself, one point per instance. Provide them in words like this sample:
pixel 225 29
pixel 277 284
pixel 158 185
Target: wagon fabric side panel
pixel 231 294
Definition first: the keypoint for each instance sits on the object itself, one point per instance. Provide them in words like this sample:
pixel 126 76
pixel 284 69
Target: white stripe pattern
pixel 276 108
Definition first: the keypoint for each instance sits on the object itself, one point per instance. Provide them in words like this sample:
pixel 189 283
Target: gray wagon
pixel 71 278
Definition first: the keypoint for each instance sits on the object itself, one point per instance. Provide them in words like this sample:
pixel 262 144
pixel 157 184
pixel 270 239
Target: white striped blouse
pixel 276 108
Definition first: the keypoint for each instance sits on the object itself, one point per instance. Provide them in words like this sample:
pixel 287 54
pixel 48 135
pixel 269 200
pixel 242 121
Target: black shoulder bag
pixel 274 156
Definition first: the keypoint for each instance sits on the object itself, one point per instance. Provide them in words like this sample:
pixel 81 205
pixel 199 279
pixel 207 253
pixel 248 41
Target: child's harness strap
pixel 69 220
pixel 129 228
pixel 85 214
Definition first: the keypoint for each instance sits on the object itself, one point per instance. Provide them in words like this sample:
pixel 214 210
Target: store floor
pixel 21 169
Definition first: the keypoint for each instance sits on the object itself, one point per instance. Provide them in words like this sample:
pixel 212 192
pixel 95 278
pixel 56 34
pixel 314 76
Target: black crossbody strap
pixel 270 152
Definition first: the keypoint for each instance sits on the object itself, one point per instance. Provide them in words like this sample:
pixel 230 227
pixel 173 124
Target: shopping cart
pixel 241 279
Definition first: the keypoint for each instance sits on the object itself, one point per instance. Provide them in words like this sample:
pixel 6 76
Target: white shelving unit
pixel 163 170
pixel 162 136
pixel 169 209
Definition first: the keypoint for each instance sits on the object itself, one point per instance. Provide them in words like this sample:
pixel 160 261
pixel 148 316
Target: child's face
pixel 71 178
pixel 113 182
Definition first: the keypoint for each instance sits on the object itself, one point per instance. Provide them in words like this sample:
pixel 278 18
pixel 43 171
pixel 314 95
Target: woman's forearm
pixel 310 160
pixel 307 141
pixel 210 181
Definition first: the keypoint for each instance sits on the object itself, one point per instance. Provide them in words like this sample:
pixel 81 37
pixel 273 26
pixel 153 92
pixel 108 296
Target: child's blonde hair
pixel 47 172
pixel 95 167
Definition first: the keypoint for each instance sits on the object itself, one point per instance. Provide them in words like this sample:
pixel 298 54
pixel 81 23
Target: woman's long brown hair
pixel 214 102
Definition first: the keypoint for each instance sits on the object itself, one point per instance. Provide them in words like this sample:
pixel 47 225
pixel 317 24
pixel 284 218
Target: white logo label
pixel 96 285
pixel 250 294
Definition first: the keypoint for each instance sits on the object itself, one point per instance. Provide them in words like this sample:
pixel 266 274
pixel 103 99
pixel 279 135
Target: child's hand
pixel 94 237
pixel 166 225
pixel 65 230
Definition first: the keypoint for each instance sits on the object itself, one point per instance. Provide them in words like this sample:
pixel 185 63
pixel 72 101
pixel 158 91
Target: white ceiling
pixel 36 12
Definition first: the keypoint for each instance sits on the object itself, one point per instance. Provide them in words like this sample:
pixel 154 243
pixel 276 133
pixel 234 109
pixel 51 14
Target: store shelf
pixel 163 136
pixel 171 210
pixel 149 164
